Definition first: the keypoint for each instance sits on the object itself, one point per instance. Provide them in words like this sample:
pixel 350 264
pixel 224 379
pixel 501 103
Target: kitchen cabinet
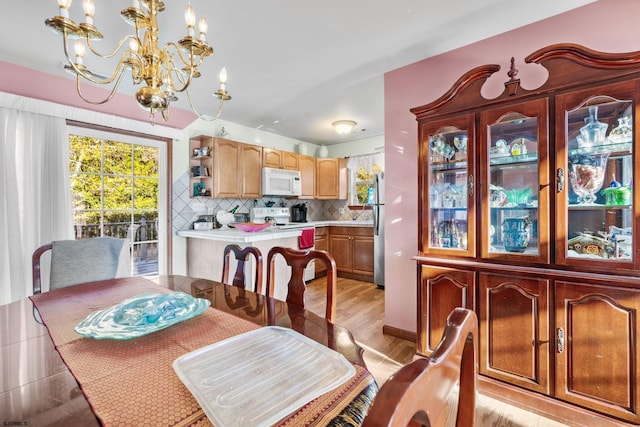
pixel 352 249
pixel 331 178
pixel 307 168
pixel 440 290
pixel 237 168
pixel 531 194
pixel 321 244
pixel 279 159
pixel 200 168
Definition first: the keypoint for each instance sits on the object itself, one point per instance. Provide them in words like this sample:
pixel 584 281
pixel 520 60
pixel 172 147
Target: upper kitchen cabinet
pixel 331 178
pixel 279 159
pixel 237 169
pixel 307 168
pixel 446 173
pixel 515 182
pixel 597 212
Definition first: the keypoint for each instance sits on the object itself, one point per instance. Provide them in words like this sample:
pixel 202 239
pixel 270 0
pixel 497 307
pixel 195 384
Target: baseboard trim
pixel 545 406
pixel 399 333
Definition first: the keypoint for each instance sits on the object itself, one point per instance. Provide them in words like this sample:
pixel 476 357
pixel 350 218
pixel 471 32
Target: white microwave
pixel 281 182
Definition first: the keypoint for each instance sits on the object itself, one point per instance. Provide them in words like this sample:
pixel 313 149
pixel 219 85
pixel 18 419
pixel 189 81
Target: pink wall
pixel 33 84
pixel 606 25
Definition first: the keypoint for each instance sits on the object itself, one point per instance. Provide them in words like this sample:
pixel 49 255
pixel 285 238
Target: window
pixel 362 169
pixel 118 190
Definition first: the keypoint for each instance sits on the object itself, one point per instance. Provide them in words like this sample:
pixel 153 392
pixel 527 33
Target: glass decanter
pixel 593 132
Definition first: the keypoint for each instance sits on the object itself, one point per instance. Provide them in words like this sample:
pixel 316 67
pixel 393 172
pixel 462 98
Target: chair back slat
pixel 298 261
pixel 242 256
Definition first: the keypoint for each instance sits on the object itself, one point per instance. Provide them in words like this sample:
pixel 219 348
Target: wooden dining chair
pixel 419 391
pixel 80 261
pixel 242 255
pixel 298 261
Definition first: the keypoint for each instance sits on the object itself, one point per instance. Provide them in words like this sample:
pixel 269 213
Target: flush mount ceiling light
pixel 343 127
pixel 163 70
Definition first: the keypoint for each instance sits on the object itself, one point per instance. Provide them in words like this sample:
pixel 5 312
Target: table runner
pixel 132 382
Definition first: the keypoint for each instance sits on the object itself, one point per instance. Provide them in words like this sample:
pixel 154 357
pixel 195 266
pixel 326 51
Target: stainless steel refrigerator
pixel 377 208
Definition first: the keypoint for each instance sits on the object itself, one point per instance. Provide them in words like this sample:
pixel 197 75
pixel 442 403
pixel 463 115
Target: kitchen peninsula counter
pixel 205 249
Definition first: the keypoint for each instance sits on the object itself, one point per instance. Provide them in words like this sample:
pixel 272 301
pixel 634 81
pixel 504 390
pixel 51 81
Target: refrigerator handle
pixel 376 220
pixel 376 189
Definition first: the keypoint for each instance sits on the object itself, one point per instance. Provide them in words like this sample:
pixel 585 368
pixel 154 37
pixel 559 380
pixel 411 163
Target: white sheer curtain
pixel 36 198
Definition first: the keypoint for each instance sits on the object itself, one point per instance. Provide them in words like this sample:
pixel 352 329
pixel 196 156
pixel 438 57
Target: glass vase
pixel 586 175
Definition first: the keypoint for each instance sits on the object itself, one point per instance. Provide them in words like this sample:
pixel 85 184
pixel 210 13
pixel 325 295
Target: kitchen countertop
pixel 326 224
pixel 271 233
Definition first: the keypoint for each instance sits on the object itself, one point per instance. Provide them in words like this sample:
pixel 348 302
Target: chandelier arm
pixel 185 81
pixel 190 63
pixel 200 116
pixel 112 53
pixel 108 98
pixel 87 74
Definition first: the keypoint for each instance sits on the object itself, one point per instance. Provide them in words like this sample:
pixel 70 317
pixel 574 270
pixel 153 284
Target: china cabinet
pixel 528 214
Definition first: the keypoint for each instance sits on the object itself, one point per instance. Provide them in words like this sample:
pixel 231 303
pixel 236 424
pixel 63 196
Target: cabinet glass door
pixel 515 196
pixel 448 171
pixel 597 224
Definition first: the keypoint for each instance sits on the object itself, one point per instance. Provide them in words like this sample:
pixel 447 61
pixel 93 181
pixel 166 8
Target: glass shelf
pixel 514 160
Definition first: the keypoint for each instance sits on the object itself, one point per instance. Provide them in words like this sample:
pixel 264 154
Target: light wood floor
pixel 360 308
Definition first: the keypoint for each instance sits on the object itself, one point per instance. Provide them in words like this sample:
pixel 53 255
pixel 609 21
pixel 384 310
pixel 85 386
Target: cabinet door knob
pixel 560 180
pixel 560 340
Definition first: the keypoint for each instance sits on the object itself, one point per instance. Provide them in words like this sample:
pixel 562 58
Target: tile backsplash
pixel 186 210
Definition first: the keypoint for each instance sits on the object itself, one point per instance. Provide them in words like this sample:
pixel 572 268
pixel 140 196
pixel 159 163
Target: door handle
pixel 470 185
pixel 560 335
pixel 560 185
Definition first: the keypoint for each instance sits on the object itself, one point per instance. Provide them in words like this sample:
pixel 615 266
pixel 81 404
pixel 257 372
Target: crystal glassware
pixel 593 132
pixel 587 175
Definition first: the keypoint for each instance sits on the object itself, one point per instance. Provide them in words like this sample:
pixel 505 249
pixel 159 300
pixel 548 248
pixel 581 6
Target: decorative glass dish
pixel 141 315
pixel 250 226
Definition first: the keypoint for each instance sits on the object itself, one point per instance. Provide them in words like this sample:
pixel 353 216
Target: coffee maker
pixel 299 212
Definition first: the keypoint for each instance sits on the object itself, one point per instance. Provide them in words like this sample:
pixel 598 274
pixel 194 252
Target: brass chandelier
pixel 149 64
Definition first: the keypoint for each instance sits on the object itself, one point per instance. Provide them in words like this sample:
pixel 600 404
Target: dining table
pixel 52 375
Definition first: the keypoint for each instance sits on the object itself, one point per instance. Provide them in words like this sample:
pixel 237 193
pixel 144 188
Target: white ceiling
pixel 294 66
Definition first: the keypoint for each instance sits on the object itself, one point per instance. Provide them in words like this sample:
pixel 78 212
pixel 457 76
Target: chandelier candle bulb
pixel 203 27
pixel 190 19
pixel 79 49
pixel 89 10
pixel 223 78
pixel 63 6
